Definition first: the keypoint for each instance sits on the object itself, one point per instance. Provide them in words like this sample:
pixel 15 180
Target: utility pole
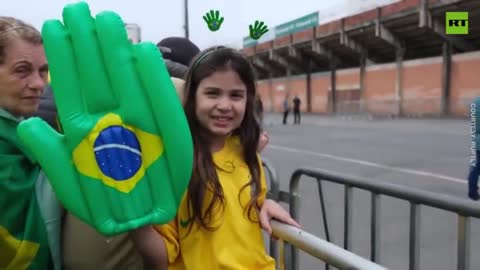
pixel 186 19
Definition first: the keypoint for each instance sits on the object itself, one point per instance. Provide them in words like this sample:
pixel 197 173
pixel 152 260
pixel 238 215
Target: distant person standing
pixel 286 110
pixel 296 110
pixel 475 150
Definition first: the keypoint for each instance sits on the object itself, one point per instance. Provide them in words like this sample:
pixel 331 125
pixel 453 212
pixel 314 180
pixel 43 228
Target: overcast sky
pixel 159 18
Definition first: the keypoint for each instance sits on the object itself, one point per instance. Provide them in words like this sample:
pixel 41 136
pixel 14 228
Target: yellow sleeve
pixel 170 236
pixel 263 184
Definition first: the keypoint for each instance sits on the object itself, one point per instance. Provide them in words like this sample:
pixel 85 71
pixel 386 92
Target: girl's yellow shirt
pixel 237 242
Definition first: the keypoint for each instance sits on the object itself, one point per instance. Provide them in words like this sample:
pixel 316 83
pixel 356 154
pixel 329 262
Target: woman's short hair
pixel 11 29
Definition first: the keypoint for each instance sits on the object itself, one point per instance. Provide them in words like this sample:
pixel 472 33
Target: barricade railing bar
pixel 289 237
pixel 416 197
pixel 321 249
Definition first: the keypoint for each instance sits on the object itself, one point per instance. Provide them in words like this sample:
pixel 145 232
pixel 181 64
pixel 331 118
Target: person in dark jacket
pixel 177 52
pixel 286 110
pixel 296 110
pixel 47 109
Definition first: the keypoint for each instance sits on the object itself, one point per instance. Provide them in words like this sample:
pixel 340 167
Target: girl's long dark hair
pixel 204 178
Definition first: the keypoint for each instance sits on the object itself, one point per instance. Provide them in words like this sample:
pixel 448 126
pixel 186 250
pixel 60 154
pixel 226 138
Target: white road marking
pixel 371 164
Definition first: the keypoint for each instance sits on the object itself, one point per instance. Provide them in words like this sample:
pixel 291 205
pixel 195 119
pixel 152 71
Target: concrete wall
pixel 421 87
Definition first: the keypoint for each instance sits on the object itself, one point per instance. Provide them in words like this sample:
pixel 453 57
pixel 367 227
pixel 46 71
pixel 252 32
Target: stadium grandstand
pixel 396 59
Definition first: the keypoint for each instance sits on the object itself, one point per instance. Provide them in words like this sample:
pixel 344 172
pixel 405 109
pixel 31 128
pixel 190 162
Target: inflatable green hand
pixel 126 156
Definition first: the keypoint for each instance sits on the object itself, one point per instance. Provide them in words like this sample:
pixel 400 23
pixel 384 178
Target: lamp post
pixel 186 19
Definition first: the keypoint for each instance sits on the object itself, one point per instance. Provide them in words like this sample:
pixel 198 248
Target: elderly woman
pixel 30 219
pixel 30 214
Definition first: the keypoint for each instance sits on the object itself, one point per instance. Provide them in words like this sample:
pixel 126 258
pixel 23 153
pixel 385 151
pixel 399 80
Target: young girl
pixel 218 225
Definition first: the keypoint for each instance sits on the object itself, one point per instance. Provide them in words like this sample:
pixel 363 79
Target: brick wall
pixel 328 28
pixel 421 84
pixel 348 79
pixel 263 89
pixel 380 89
pixel 282 41
pixel 305 35
pixel 264 46
pixel 399 6
pixel 465 84
pixel 298 86
pixel 320 85
pixel 279 91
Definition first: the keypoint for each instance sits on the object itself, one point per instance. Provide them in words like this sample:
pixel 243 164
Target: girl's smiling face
pixel 220 103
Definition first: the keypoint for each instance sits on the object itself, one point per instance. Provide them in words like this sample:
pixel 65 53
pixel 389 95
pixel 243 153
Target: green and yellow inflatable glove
pixel 126 156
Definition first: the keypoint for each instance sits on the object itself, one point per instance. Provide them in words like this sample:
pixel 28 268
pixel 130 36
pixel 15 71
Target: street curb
pixel 380 116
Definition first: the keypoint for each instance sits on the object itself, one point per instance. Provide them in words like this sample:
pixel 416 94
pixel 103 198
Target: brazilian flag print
pixel 23 235
pixel 125 157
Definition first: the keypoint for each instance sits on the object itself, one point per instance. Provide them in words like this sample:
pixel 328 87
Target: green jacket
pixel 31 216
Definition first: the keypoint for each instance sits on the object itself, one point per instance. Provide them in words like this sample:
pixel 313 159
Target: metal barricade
pixel 463 208
pixel 321 249
pixel 294 237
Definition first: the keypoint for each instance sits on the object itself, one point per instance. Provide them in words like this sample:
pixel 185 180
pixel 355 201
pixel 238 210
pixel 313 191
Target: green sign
pixel 249 42
pixel 300 24
pixel 457 23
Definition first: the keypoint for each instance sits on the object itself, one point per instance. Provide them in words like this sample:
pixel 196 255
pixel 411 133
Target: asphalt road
pixel 428 154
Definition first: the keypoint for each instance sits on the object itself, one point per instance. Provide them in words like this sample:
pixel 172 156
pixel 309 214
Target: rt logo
pixel 457 23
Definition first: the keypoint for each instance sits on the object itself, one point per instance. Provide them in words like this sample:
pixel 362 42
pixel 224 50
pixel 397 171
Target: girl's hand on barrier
pixel 272 210
pixel 264 139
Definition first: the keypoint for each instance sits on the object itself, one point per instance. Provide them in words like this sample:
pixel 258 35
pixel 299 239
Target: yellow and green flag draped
pixel 23 237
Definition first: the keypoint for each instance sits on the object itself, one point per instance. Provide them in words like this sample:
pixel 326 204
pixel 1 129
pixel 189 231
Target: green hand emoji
pixel 126 155
pixel 258 30
pixel 213 20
